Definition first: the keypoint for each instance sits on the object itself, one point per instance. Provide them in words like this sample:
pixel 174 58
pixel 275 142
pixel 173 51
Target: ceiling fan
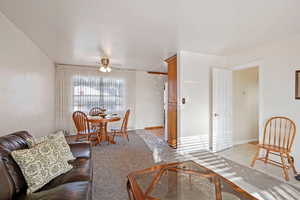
pixel 107 65
pixel 104 65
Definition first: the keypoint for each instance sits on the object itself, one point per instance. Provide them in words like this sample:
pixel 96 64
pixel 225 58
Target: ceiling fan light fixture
pixel 105 61
pixel 105 65
pixel 102 69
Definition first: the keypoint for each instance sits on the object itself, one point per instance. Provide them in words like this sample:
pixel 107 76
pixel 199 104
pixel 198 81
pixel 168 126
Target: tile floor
pixel 243 154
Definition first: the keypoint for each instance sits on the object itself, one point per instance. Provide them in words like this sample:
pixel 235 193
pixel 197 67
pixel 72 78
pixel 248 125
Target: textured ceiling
pixel 139 34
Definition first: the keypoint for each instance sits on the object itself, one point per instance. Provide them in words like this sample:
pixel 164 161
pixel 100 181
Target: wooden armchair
pixel 278 138
pixel 83 127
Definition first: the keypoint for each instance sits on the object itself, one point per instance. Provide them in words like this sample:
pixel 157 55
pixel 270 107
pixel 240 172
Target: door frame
pixel 257 63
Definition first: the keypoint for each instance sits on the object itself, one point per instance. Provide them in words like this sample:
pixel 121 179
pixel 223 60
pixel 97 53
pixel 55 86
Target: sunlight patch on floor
pixel 217 162
pixel 243 154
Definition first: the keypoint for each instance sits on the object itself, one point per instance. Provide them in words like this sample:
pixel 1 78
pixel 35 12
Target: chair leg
pixel 106 133
pixel 255 158
pixel 284 167
pixel 291 162
pixel 113 135
pixel 89 139
pixel 99 137
pixel 267 156
pixel 124 136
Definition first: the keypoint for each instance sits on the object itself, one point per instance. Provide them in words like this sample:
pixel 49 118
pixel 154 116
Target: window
pixel 89 92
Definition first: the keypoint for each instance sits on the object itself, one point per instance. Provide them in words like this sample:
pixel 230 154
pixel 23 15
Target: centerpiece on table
pixel 102 113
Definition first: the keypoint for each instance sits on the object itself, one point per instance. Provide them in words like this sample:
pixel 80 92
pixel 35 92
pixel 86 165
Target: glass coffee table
pixel 182 181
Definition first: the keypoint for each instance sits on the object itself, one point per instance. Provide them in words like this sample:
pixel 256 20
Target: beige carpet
pixel 112 164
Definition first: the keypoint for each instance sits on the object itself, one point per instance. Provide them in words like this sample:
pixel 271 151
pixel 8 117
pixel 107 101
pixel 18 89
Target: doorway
pixel 245 105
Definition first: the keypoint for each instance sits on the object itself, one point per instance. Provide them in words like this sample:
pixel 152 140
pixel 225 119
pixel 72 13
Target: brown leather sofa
pixel 75 184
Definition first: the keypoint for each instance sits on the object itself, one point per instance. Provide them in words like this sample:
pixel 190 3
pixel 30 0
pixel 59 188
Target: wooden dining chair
pixel 95 111
pixel 123 130
pixel 278 138
pixel 83 127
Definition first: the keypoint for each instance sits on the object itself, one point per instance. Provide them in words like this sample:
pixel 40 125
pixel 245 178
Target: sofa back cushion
pixel 13 180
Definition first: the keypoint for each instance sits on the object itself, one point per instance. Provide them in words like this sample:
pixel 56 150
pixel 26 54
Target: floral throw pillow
pixel 40 164
pixel 58 139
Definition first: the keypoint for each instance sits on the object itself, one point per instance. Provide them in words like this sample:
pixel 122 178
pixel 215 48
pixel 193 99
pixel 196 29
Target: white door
pixel 221 109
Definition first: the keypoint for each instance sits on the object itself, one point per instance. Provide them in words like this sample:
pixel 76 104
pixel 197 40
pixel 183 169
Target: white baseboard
pixel 193 138
pixel 205 137
pixel 245 141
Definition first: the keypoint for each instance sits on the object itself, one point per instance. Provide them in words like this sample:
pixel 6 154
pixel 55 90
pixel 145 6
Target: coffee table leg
pixel 218 188
pixel 130 196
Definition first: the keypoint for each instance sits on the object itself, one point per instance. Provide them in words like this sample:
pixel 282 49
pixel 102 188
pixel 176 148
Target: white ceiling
pixel 139 34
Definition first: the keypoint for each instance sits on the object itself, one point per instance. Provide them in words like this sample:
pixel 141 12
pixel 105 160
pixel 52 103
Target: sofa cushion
pixel 81 172
pixel 68 191
pixel 40 164
pixel 81 149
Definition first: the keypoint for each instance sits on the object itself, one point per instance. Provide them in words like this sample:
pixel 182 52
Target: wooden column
pixel 172 101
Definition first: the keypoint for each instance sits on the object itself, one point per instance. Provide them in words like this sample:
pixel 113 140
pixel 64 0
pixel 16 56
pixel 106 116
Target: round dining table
pixel 102 122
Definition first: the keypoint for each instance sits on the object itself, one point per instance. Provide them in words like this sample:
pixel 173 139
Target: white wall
pixel 143 96
pixel 149 109
pixel 277 65
pixel 245 105
pixel 195 85
pixel 26 83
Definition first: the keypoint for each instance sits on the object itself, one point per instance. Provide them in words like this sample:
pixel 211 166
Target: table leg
pixel 104 135
pixel 129 191
pixel 217 188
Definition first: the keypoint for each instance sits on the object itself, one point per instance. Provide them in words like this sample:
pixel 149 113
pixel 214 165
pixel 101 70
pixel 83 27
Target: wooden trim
pixel 172 143
pixel 172 101
pixel 255 63
pixel 171 59
pixel 153 127
pixel 157 73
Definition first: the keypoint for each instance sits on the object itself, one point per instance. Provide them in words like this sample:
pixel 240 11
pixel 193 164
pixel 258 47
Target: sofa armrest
pixel 81 149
